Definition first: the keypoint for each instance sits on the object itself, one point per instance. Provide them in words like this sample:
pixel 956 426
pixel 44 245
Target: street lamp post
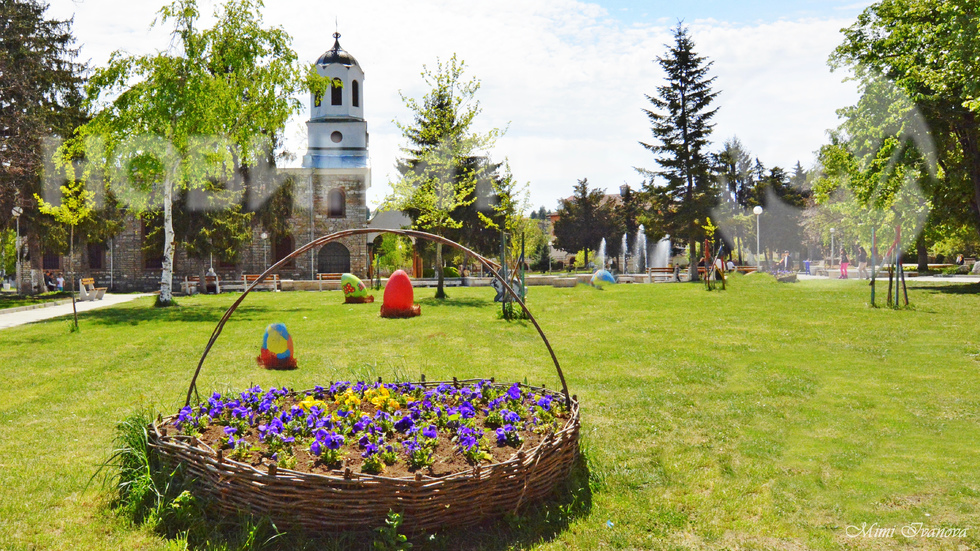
pixel 758 250
pixel 16 212
pixel 265 250
pixel 832 231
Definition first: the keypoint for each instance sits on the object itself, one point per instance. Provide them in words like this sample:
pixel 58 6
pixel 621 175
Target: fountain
pixel 600 257
pixel 661 254
pixel 640 260
pixel 622 267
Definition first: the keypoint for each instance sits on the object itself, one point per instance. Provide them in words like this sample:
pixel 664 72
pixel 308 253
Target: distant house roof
pixel 388 220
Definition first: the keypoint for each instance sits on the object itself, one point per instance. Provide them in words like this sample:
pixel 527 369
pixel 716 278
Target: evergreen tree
pixel 583 220
pixel 681 126
pixel 40 96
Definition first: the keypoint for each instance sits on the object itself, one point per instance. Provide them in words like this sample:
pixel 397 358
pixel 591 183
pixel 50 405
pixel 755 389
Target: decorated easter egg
pixel 399 294
pixel 353 286
pixel 277 347
pixel 602 277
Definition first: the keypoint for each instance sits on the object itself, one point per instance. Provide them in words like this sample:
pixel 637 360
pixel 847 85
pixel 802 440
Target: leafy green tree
pixel 447 183
pixel 583 220
pixel 681 125
pixel 929 50
pixel 191 116
pixel 75 207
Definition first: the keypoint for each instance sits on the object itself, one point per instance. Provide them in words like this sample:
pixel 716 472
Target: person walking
pixel 862 263
pixel 843 263
pixel 61 282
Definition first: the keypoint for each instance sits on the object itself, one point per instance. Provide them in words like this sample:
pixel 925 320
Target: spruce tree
pixel 681 126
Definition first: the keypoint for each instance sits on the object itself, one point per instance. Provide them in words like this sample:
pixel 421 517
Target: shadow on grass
pixel 456 302
pixel 193 313
pixel 962 289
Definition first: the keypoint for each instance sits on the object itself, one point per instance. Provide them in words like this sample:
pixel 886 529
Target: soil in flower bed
pixel 395 430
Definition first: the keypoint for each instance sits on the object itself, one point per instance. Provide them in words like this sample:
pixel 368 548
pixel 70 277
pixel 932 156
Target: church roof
pixel 337 55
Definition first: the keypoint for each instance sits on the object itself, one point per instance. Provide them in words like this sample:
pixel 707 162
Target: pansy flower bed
pixel 350 452
pixel 374 428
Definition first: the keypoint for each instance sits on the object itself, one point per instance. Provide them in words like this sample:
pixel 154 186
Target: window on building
pixel 96 256
pixel 51 261
pixel 152 244
pixel 336 95
pixel 355 94
pixel 336 204
pixel 282 247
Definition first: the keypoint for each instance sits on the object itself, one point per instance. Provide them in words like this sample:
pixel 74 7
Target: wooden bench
pixel 746 269
pixel 321 277
pixel 270 283
pixel 192 284
pixel 88 291
pixel 664 273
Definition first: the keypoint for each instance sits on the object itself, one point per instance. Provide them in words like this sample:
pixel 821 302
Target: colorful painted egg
pixel 354 289
pixel 602 277
pixel 353 286
pixel 277 348
pixel 399 294
pixel 399 297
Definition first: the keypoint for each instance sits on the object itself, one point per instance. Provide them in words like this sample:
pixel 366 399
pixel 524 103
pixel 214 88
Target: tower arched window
pixel 336 95
pixel 336 204
pixel 355 93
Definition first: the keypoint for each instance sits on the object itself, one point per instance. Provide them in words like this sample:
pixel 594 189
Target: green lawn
pixel 8 300
pixel 767 416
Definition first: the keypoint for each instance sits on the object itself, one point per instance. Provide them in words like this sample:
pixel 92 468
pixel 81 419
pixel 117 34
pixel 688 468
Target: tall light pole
pixel 16 212
pixel 832 231
pixel 758 250
pixel 265 250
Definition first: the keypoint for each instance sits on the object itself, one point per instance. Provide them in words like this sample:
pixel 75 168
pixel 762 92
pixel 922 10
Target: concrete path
pixel 884 277
pixel 14 319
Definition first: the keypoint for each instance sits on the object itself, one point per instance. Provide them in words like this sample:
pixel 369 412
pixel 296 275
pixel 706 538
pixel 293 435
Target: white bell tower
pixel 337 131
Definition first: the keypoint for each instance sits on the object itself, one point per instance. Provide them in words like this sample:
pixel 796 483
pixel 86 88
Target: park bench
pixel 746 269
pixel 321 277
pixel 88 291
pixel 666 274
pixel 192 284
pixel 270 283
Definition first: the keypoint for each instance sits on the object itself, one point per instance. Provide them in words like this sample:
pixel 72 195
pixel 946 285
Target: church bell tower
pixel 337 130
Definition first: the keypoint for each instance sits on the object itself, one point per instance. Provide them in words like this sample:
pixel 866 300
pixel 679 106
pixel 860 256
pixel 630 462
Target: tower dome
pixel 337 55
pixel 338 135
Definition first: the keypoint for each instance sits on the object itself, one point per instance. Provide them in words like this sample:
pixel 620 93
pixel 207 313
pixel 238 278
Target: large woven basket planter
pixel 351 501
pixel 347 500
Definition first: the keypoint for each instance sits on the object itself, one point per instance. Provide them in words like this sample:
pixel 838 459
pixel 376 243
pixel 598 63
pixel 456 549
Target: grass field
pixel 14 301
pixel 767 416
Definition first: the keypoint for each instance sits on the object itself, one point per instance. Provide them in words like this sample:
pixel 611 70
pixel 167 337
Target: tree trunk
pixel 440 289
pixel 692 270
pixel 586 265
pixel 923 253
pixel 71 272
pixel 167 273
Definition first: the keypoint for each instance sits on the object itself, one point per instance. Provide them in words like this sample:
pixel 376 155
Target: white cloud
pixel 567 79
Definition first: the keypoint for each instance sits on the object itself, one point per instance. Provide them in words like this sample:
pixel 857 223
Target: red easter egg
pixel 399 294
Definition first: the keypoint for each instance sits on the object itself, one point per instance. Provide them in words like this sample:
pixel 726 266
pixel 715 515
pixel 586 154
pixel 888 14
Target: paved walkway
pixel 884 277
pixel 14 319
